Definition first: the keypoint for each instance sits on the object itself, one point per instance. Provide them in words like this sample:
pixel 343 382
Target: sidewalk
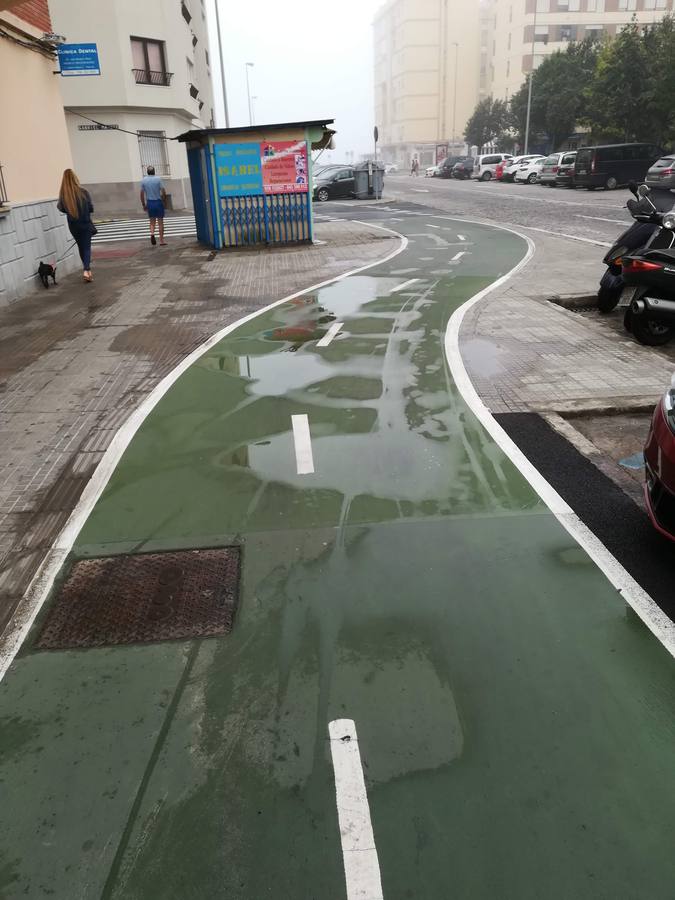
pixel 75 361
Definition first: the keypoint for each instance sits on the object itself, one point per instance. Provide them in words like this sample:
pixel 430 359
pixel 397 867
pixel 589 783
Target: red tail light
pixel 640 265
pixel 554 169
pixel 667 172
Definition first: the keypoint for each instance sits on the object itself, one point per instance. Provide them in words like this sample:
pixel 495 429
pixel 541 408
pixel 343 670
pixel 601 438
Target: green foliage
pixel 620 89
pixel 489 119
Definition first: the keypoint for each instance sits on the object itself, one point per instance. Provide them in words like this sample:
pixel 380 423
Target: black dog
pixel 45 271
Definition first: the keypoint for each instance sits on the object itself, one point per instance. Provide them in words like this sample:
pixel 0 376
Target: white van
pixel 484 166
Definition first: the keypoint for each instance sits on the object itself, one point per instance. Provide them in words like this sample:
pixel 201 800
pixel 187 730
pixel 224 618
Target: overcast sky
pixel 310 63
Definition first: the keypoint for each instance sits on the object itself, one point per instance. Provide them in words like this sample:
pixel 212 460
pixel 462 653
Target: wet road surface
pixel 515 719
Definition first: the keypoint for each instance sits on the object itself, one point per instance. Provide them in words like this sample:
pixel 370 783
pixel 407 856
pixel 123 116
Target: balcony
pixel 147 76
pixel 185 12
pixel 194 92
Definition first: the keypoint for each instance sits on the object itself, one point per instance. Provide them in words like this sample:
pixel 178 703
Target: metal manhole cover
pixel 144 598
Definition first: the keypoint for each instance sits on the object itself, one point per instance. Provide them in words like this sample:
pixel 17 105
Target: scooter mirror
pixel 643 191
pixel 633 188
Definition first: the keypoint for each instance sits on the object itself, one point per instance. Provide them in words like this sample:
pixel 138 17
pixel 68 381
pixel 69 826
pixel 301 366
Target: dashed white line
pixel 402 287
pixel 330 334
pixel 461 237
pixel 303 445
pixel 432 226
pixel 359 854
pixel 459 255
pixel 600 219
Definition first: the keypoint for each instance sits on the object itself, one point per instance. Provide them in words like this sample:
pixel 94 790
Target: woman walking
pixel 76 203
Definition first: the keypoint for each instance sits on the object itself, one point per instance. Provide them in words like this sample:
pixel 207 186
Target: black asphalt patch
pixel 622 526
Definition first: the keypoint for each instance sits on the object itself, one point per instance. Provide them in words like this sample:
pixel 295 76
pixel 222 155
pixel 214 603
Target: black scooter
pixel 649 275
pixel 635 237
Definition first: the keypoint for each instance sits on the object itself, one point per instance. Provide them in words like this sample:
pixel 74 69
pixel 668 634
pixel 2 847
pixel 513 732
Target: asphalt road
pixel 592 215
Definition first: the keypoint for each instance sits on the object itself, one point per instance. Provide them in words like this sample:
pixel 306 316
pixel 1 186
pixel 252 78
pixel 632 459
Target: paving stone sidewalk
pixel 76 360
pixel 524 353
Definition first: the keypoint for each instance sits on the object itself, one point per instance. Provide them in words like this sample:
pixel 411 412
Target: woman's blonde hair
pixel 71 194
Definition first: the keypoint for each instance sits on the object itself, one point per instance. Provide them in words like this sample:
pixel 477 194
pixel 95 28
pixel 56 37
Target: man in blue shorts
pixel 153 196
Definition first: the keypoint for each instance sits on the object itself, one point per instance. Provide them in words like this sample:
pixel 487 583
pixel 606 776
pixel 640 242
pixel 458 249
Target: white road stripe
pixel 461 237
pixel 459 255
pixel 432 226
pixel 600 219
pixel 359 854
pixel 303 445
pixel 330 334
pixel 402 287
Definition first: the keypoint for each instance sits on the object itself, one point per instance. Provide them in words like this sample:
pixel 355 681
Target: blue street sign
pixel 79 59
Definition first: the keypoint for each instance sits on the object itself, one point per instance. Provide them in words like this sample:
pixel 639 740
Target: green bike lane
pixel 515 718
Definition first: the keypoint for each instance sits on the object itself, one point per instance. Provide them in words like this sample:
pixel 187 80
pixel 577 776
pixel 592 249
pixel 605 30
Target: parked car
pixel 511 167
pixel 464 168
pixel 432 171
pixel 613 165
pixel 662 173
pixel 660 466
pixel 549 169
pixel 529 171
pixel 448 165
pixel 389 168
pixel 565 174
pixel 484 166
pixel 334 183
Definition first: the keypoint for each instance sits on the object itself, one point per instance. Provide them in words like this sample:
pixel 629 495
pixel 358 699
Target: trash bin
pixel 368 181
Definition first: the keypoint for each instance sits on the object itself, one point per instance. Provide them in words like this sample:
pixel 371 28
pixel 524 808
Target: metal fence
pixel 152 148
pixel 148 76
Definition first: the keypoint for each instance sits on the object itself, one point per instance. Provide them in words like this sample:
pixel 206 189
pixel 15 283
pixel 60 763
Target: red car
pixel 660 466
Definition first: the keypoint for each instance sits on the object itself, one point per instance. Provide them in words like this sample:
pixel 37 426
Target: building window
pixel 541 34
pixel 152 150
pixel 627 5
pixel 565 32
pixel 208 61
pixel 149 62
pixel 575 5
pixel 510 14
pixel 594 31
pixel 508 67
pixel 185 10
pixel 509 42
pixel 596 6
pixel 543 6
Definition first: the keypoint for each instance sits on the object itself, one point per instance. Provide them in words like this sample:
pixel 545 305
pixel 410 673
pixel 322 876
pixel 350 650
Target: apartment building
pixel 427 63
pixel 524 32
pixel 34 150
pixel 154 84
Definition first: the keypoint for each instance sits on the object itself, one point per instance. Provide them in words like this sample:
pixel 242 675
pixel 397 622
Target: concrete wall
pixel 34 148
pixel 30 233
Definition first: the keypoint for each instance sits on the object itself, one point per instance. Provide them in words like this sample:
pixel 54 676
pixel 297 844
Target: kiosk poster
pixel 284 167
pixel 238 170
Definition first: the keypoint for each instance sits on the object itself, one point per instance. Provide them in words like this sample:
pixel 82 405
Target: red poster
pixel 284 166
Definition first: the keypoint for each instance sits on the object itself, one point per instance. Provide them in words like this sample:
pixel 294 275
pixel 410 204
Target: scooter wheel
pixel 628 319
pixel 650 331
pixel 608 299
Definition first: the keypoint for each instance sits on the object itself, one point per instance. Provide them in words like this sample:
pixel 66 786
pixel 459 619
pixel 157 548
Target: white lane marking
pixel 38 590
pixel 432 226
pixel 656 620
pixel 516 196
pixel 513 226
pixel 420 190
pixel 402 287
pixel 304 458
pixel 359 853
pixel 461 237
pixel 330 334
pixel 600 219
pixel 459 255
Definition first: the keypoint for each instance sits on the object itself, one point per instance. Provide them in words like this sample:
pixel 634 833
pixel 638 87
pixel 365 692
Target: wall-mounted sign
pixel 238 169
pixel 284 165
pixel 79 59
pixel 97 127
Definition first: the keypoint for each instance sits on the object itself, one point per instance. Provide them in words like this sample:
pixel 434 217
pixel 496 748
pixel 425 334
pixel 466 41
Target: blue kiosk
pixel 254 185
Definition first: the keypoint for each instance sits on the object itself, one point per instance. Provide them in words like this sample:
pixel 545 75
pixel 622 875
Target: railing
pixel 194 92
pixel 145 76
pixel 185 12
pixel 3 190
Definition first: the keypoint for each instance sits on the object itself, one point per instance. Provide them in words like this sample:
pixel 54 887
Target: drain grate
pixel 144 598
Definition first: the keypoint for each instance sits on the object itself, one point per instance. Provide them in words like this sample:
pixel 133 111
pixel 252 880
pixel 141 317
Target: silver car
pixel 662 173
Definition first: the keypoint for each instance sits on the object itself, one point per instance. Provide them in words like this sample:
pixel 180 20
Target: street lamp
pixel 529 88
pixel 454 100
pixel 248 92
pixel 222 67
pixel 253 100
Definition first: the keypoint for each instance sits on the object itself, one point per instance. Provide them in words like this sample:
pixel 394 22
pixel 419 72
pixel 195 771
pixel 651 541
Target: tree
pixel 489 119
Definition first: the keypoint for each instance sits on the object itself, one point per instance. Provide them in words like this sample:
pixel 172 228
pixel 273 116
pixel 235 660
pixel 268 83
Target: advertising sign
pixel 238 169
pixel 441 152
pixel 284 166
pixel 79 59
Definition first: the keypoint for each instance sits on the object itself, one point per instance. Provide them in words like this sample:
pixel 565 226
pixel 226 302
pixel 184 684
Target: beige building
pixel 552 24
pixel 34 150
pixel 155 84
pixel 427 75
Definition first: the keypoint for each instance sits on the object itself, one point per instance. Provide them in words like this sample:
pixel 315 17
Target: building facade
pixel 427 76
pixel 155 84
pixel 34 151
pixel 524 32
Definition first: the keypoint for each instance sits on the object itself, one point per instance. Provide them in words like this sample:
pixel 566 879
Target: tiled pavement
pixel 525 353
pixel 75 361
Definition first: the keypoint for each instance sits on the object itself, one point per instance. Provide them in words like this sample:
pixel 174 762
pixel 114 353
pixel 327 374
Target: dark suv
pixel 614 164
pixel 446 167
pixel 463 168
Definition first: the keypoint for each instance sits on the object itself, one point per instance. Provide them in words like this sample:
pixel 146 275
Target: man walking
pixel 153 197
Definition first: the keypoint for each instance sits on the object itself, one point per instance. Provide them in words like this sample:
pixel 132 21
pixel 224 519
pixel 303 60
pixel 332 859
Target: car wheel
pixel 486 176
pixel 531 178
pixel 611 184
pixel 322 195
pixel 650 332
pixel 590 187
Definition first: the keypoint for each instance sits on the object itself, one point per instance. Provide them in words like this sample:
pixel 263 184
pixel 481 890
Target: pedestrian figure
pixel 76 203
pixel 415 167
pixel 153 198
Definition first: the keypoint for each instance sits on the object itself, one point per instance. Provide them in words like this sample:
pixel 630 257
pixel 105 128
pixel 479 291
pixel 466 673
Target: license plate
pixel 627 295
pixel 583 171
